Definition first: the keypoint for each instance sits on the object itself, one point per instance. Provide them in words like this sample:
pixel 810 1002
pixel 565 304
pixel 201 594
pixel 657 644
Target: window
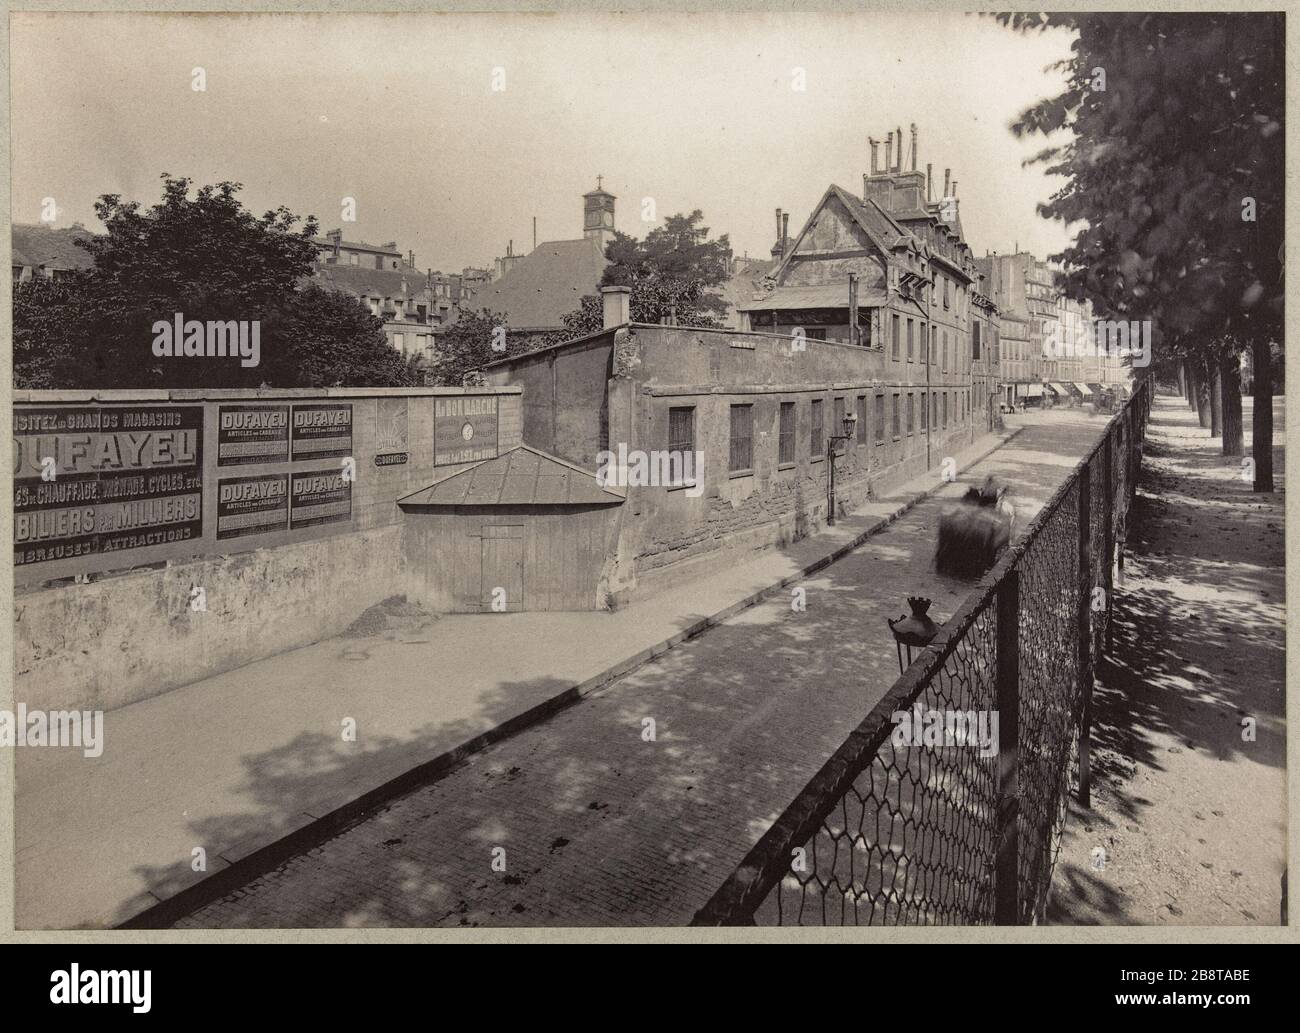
pixel 945 351
pixel 945 291
pixel 945 409
pixel 742 438
pixel 894 336
pixel 399 343
pixel 681 440
pixel 925 413
pixel 838 415
pixel 816 445
pixel 911 352
pixel 785 440
pixel 862 419
pixel 934 345
pixel 895 416
pixel 880 419
pixel 934 408
pixel 816 334
pixel 911 414
pixel 354 259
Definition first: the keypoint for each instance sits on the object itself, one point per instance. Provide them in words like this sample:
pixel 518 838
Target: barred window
pixel 816 443
pixel 895 336
pixel 911 414
pixel 925 412
pixel 785 453
pixel 895 416
pixel 681 437
pixel 911 349
pixel 862 419
pixel 742 438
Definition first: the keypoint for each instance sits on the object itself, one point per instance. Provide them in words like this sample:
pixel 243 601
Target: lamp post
pixel 914 632
pixel 850 419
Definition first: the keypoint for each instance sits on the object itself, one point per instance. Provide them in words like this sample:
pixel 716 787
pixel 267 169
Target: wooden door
pixel 502 586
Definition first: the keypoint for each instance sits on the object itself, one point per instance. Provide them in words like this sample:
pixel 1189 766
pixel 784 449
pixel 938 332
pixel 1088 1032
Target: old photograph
pixel 659 470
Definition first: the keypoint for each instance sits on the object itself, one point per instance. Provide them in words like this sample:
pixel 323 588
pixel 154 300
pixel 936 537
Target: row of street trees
pixel 1173 158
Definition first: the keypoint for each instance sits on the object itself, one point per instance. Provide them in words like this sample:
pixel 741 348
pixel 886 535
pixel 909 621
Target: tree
pixel 1174 166
pixel 468 344
pixel 671 270
pixel 208 258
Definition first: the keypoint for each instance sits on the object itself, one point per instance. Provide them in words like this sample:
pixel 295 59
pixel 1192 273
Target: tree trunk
pixel 1262 436
pixel 1182 380
pixel 1216 400
pixel 1202 400
pixel 1230 380
pixel 1191 385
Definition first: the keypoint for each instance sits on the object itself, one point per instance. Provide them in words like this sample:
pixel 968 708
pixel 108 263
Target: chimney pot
pixel 874 144
pixel 913 146
pixel 929 182
pixel 617 303
pixel 889 152
pixel 947 181
pixel 898 158
pixel 785 233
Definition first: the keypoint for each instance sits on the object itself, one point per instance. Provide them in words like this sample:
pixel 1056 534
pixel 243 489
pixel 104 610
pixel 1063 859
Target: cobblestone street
pixel 600 826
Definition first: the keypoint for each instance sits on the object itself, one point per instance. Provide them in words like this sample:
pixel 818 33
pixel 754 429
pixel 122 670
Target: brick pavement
pixel 600 826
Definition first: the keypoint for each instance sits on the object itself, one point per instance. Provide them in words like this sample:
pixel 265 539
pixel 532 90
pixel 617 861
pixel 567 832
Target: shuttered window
pixel 786 437
pixel 742 438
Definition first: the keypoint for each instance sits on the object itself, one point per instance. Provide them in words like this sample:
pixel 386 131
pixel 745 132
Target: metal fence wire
pixel 947 804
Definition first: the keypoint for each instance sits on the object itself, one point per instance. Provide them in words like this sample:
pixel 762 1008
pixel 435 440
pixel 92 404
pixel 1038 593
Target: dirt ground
pixel 1188 823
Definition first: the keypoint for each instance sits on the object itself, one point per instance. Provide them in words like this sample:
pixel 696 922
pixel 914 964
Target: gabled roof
pixel 357 245
pixel 524 476
pixel 545 285
pixel 54 249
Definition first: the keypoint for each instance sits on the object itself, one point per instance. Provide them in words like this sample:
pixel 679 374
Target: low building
pixel 41 251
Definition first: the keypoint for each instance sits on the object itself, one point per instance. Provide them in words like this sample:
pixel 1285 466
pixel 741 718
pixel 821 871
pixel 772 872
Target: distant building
pixel 536 291
pixel 389 285
pixel 40 250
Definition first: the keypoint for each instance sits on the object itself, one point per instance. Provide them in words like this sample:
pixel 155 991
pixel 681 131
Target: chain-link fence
pixel 946 805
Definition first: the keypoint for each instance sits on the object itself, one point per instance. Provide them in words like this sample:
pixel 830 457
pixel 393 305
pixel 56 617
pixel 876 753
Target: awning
pixel 1058 388
pixel 1084 389
pixel 1033 390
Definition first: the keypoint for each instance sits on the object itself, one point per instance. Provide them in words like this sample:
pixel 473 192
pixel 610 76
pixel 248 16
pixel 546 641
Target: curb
pixel 250 865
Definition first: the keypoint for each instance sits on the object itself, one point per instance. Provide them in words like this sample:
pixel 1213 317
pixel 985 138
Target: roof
pixel 545 285
pixel 742 285
pixel 524 476
pixel 835 295
pixel 386 283
pixel 54 249
pixel 356 245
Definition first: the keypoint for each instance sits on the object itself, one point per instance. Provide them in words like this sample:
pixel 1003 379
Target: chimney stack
pixel 898 158
pixel 929 182
pixel 954 188
pixel 785 233
pixel 617 303
pixel 874 144
pixel 778 226
pixel 947 182
pixel 889 152
pixel 913 146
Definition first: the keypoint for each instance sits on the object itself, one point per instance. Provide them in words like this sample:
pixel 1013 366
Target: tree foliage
pixel 1165 166
pixel 209 258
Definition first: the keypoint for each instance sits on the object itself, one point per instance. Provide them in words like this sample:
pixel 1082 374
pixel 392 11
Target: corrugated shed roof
pixel 54 249
pixel 835 295
pixel 545 285
pixel 523 476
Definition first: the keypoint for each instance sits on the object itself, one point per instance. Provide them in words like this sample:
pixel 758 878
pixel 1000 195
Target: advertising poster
pixel 319 497
pixel 252 434
pixel 464 429
pixel 322 431
pixel 96 479
pixel 252 505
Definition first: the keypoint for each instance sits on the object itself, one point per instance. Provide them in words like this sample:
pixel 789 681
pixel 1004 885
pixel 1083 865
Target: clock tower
pixel 598 215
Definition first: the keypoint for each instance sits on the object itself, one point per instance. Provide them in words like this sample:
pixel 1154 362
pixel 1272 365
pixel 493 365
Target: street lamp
pixel 850 419
pixel 916 631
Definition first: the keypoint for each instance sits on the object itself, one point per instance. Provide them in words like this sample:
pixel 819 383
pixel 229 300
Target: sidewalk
pixel 232 764
pixel 1188 812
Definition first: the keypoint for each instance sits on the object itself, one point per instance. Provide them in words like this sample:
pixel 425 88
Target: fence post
pixel 1085 632
pixel 1108 529
pixel 1006 874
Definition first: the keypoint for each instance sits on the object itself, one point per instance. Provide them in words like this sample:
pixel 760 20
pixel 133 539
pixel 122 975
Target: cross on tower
pixel 598 182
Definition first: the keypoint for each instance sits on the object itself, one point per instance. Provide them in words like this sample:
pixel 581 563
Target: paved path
pixel 1191 815
pixel 597 823
pixel 238 761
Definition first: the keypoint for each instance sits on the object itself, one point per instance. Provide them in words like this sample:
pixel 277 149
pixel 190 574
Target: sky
pixel 399 113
